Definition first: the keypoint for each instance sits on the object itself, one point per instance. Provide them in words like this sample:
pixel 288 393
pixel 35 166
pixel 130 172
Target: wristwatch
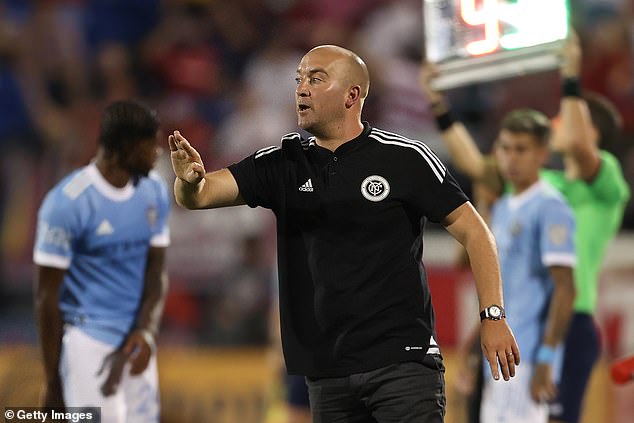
pixel 492 312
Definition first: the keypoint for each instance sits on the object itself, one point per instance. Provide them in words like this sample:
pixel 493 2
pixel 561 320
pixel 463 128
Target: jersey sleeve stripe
pixel 51 260
pixel 393 136
pixel 77 185
pixel 266 150
pixel 161 240
pixel 559 259
pixel 438 172
pixel 431 153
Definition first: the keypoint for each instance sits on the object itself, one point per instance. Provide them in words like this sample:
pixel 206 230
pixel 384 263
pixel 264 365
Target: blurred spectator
pixel 121 21
pixel 238 316
pixel 264 104
pixel 20 143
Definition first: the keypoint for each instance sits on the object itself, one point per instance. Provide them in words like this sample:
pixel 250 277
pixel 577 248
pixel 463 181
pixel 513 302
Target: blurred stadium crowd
pixel 222 72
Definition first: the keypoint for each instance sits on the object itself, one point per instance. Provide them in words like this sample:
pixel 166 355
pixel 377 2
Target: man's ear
pixel 354 94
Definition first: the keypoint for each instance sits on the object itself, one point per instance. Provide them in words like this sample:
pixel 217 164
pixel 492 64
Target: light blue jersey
pixel 534 231
pixel 101 236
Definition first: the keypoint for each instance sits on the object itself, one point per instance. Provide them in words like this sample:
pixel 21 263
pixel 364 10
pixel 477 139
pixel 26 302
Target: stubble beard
pixel 305 124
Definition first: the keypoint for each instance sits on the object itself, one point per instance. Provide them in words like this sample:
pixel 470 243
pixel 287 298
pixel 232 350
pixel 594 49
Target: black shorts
pixel 401 392
pixel 581 350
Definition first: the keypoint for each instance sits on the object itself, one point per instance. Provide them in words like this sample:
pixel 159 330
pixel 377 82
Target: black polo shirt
pixel 353 289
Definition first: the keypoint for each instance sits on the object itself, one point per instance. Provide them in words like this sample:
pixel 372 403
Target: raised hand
pixel 571 56
pixel 429 71
pixel 186 161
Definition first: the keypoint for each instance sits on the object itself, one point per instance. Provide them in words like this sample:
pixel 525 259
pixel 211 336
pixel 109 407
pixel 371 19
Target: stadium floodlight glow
pixel 484 40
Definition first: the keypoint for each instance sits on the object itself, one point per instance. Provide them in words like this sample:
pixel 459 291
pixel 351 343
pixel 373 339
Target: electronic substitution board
pixel 484 40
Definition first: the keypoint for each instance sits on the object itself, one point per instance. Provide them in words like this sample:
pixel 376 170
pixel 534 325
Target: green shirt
pixel 598 208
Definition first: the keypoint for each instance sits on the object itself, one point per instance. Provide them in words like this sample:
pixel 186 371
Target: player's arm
pixel 48 281
pixel 140 343
pixel 559 313
pixel 154 292
pixel 576 135
pixel 468 228
pixel 463 150
pixel 148 320
pixel 193 187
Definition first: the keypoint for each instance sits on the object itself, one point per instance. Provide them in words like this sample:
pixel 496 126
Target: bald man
pixel 351 202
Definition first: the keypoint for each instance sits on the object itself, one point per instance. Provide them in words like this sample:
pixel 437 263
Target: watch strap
pixel 486 313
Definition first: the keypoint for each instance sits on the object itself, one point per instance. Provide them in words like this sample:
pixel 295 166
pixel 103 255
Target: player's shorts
pixel 297 391
pixel 137 397
pixel 510 401
pixel 581 350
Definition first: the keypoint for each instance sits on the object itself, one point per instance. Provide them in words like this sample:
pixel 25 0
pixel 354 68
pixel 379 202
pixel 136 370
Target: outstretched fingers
pixel 182 143
pixel 186 161
pixel 171 141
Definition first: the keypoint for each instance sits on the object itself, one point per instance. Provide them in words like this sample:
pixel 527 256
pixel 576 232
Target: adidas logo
pixel 104 228
pixel 307 187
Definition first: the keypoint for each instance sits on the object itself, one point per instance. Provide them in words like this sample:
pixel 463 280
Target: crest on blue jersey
pixel 152 216
pixel 558 234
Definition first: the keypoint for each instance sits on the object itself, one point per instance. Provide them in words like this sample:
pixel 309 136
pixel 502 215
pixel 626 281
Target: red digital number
pixel 486 15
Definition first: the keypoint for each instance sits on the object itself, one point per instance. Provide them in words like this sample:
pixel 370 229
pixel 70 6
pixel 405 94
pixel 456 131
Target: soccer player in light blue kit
pixel 101 278
pixel 534 228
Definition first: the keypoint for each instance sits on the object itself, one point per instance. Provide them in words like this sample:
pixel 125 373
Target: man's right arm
pixel 463 150
pixel 48 281
pixel 216 189
pixel 193 187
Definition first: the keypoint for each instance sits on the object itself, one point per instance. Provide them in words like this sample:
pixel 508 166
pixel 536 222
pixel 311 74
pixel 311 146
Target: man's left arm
pixel 140 343
pixel 576 135
pixel 154 292
pixel 498 342
pixel 149 318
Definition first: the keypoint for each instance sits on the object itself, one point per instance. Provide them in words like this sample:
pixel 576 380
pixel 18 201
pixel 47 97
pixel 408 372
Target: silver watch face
pixel 495 311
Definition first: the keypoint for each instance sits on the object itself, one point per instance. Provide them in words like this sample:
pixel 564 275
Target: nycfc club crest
pixel 558 234
pixel 375 188
pixel 152 216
